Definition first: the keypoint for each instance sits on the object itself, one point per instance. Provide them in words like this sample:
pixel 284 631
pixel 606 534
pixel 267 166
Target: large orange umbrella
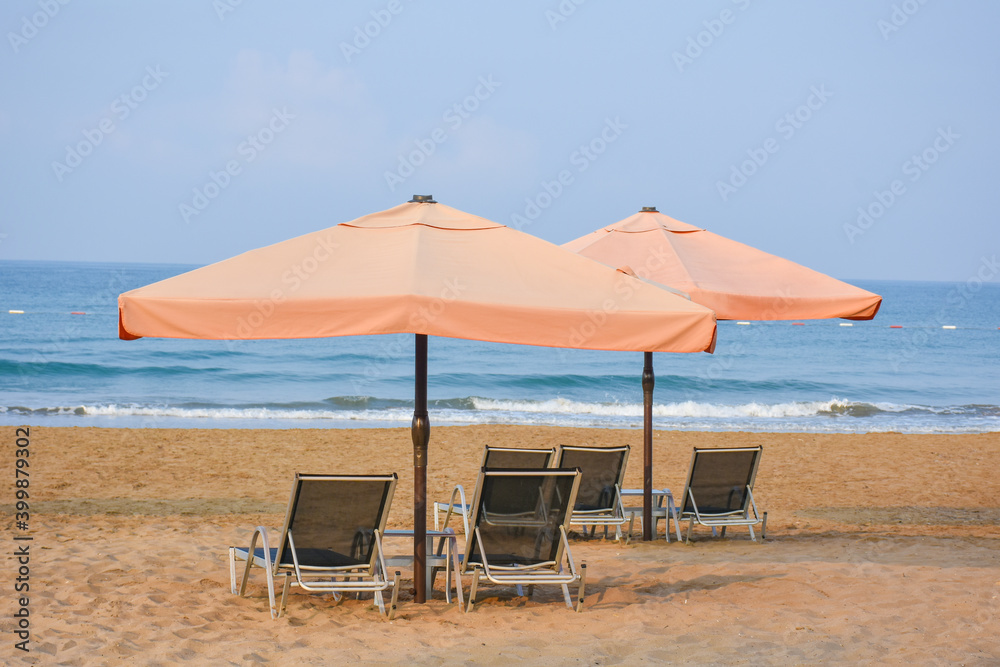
pixel 735 280
pixel 427 269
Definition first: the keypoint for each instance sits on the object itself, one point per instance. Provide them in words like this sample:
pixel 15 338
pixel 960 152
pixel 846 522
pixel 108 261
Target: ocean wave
pixel 63 369
pixel 243 413
pixel 830 415
pixel 681 409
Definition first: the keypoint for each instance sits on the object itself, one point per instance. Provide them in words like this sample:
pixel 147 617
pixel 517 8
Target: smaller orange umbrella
pixel 733 279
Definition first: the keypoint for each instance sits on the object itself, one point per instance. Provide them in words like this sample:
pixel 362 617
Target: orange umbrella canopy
pixel 733 279
pixel 423 268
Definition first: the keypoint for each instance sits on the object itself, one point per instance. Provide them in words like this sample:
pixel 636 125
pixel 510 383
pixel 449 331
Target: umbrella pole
pixel 420 433
pixel 648 381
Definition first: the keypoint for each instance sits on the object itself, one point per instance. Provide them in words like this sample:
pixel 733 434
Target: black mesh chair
pixel 519 522
pixel 599 502
pixel 719 489
pixel 493 457
pixel 331 541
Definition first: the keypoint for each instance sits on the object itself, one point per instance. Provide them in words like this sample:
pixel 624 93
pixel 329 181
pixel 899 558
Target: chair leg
pixel 232 570
pixel 447 582
pixel 672 510
pixel 453 548
pixel 284 595
pixel 246 576
pixel 583 585
pixel 270 594
pixel 690 526
pixel 395 597
pixel 566 597
pixel 473 588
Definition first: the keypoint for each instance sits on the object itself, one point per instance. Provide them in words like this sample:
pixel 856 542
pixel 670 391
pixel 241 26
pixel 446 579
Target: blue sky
pixel 859 138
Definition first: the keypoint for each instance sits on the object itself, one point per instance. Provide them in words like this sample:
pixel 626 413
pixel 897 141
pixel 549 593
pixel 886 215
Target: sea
pixel 928 363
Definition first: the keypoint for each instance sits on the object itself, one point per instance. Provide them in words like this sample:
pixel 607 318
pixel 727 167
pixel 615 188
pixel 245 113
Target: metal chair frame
pixel 458 503
pixel 614 514
pixel 736 517
pixel 560 571
pixel 372 576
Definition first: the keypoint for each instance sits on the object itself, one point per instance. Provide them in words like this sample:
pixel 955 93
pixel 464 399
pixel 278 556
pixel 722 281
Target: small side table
pixel 663 508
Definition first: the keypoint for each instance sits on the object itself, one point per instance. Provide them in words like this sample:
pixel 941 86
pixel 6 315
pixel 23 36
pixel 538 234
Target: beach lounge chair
pixel 599 502
pixel 519 538
pixel 493 457
pixel 719 489
pixel 331 541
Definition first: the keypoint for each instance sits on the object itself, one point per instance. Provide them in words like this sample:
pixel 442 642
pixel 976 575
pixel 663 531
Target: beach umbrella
pixel 430 270
pixel 735 280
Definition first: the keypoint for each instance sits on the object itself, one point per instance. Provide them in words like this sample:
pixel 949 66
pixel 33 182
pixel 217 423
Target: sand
pixel 881 549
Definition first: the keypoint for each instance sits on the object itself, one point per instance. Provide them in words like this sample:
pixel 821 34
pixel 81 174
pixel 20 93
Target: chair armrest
pixel 458 494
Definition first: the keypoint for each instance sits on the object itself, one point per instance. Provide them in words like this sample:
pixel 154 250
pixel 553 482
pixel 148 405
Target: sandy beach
pixel 881 549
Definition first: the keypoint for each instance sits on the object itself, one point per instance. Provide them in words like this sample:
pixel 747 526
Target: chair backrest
pixel 719 478
pixel 333 519
pixel 514 457
pixel 602 468
pixel 518 513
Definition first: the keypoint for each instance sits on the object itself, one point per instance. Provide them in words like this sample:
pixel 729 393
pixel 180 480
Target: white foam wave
pixel 685 409
pixel 392 414
pixel 834 415
pixel 486 407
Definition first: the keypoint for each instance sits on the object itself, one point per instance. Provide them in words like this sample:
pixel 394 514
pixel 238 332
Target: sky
pixel 859 137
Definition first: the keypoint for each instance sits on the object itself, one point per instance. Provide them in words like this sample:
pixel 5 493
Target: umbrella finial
pixel 648 209
pixel 423 199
